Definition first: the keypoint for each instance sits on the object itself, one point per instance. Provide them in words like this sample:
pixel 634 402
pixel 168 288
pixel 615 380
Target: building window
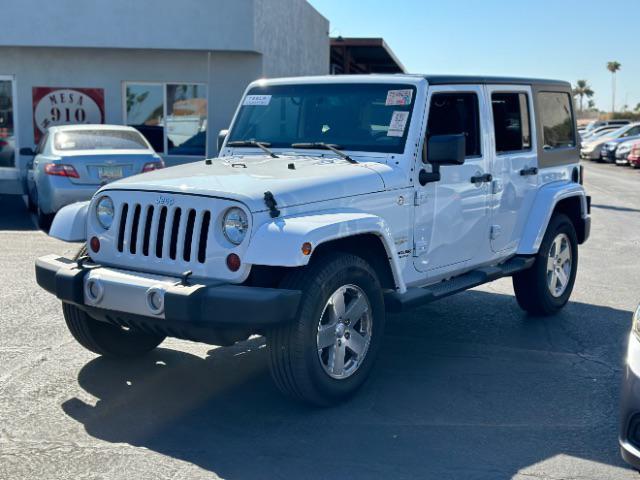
pixel 7 132
pixel 511 121
pixel 557 120
pixel 173 117
pixel 453 114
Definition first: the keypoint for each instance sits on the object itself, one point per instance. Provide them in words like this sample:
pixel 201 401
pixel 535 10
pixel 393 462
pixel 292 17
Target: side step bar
pixel 416 296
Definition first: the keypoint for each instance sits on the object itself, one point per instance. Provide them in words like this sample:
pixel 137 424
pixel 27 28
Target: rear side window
pixel 557 120
pixel 99 140
pixel 455 113
pixel 511 121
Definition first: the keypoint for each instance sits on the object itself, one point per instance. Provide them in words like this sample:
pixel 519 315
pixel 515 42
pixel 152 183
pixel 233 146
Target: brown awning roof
pixel 363 55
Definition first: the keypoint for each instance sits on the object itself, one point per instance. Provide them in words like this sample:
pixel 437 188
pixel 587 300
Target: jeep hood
pixel 293 180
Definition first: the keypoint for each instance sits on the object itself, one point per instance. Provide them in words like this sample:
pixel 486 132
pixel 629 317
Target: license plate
pixel 109 173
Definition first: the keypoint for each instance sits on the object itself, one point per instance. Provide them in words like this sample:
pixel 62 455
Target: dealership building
pixel 175 70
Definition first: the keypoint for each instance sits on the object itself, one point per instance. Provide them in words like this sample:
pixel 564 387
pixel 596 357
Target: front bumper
pixel 194 310
pixel 630 406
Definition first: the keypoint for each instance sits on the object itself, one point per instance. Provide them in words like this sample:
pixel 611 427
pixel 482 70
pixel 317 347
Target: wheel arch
pixel 278 243
pixel 558 197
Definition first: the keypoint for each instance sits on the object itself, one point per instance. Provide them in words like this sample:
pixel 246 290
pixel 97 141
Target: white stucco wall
pixel 158 24
pixel 286 31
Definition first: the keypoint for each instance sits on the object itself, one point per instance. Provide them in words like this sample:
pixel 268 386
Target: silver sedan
pixel 71 162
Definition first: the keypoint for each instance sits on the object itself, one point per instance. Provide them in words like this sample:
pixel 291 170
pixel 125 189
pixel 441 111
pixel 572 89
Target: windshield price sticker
pixel 257 100
pixel 398 123
pixel 399 97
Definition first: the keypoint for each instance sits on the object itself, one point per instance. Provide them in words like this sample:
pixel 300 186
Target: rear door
pixel 514 163
pixel 451 221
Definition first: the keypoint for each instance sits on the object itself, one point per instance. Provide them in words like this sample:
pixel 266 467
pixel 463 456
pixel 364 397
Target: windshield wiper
pixel 253 143
pixel 326 146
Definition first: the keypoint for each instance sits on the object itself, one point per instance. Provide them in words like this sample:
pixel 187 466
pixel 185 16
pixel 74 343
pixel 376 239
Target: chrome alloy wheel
pixel 559 265
pixel 344 331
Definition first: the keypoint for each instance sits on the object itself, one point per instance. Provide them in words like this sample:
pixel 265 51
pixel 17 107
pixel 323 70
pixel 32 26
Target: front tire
pixel 325 354
pixel 106 339
pixel 546 287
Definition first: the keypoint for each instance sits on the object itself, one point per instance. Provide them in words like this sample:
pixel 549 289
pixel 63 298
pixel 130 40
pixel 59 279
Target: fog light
pixel 93 290
pixel 233 262
pixel 94 243
pixel 155 300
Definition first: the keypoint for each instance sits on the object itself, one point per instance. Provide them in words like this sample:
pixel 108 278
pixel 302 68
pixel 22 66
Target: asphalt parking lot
pixel 467 388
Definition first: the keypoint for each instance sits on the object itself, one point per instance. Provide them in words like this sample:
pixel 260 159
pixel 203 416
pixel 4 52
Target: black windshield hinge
pixel 271 204
pixel 184 278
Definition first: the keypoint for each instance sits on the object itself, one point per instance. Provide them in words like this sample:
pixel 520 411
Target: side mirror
pixel 222 136
pixel 27 152
pixel 446 149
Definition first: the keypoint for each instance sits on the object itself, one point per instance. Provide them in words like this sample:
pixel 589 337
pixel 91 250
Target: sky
pixel 560 39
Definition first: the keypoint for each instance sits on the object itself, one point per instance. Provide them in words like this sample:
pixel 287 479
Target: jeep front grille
pixel 166 232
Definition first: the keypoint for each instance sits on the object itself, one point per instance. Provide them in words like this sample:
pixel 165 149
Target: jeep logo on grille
pixel 165 201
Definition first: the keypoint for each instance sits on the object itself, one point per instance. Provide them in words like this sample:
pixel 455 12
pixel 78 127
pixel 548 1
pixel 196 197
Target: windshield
pixel 360 117
pixel 99 140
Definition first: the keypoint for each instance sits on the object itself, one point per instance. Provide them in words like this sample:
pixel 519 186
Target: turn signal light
pixel 306 248
pixel 94 243
pixel 150 166
pixel 233 262
pixel 61 170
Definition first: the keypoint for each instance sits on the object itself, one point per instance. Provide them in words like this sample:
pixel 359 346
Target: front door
pixel 514 164
pixel 451 224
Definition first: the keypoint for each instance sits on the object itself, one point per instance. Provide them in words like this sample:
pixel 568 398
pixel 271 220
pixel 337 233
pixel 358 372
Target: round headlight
pixel 235 225
pixel 104 212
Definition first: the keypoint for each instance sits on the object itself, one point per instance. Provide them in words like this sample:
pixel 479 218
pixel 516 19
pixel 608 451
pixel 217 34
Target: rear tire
pixel 323 356
pixel 546 287
pixel 44 219
pixel 106 339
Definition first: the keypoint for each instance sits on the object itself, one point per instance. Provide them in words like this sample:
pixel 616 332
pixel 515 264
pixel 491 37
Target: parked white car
pixel 592 148
pixel 334 200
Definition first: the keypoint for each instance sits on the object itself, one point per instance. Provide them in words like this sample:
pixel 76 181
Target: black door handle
pixel 529 171
pixel 487 177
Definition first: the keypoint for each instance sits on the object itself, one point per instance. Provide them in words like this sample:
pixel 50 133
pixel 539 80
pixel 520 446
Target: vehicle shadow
pixel 468 387
pixel 14 214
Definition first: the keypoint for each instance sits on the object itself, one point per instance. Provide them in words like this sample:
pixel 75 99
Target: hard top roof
pixel 399 77
pixel 476 79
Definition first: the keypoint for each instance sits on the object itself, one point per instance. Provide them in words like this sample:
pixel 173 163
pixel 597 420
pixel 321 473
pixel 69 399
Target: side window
pixel 455 113
pixel 632 132
pixel 557 120
pixel 511 121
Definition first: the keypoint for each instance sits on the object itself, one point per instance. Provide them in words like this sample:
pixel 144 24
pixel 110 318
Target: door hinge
pixel 495 232
pixel 419 247
pixel 419 198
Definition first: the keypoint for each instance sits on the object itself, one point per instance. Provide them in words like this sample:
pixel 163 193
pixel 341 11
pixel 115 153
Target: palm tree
pixel 582 89
pixel 613 67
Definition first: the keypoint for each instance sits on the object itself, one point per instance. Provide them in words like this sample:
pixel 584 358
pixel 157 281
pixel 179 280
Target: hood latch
pixel 271 204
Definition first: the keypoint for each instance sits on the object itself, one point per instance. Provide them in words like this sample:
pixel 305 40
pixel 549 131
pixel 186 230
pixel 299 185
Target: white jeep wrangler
pixel 333 200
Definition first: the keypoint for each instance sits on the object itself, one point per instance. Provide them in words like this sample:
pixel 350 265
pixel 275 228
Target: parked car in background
pixel 629 436
pixel 624 150
pixel 634 156
pixel 588 135
pixel 610 150
pixel 72 161
pixel 592 148
pixel 601 123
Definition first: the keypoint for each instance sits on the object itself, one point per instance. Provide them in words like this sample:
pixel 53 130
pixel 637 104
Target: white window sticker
pixel 257 100
pixel 398 123
pixel 399 97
